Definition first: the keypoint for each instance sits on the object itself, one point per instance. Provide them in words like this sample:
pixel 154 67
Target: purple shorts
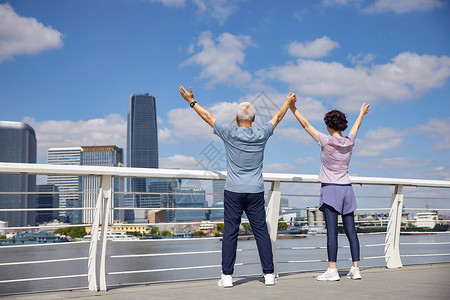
pixel 339 196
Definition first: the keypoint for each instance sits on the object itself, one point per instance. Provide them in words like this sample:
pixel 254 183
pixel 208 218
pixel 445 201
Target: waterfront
pixel 284 256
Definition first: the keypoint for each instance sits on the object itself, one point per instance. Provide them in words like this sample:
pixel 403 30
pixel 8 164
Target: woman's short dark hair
pixel 336 120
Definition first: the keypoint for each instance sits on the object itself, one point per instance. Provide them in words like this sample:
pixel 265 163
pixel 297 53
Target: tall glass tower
pixel 69 186
pixel 109 156
pixel 17 145
pixel 142 142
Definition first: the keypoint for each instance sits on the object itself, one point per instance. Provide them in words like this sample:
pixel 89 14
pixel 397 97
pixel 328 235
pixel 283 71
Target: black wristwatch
pixel 192 103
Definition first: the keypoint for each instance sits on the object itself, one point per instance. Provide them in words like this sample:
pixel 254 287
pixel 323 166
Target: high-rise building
pixel 142 136
pixel 69 186
pixel 48 197
pixel 218 187
pixel 166 199
pixel 142 147
pixel 18 145
pixel 108 156
pixel 190 197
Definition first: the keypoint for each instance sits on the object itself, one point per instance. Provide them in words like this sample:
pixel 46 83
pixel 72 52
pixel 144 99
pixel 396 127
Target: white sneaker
pixel 330 275
pixel 354 273
pixel 269 279
pixel 226 281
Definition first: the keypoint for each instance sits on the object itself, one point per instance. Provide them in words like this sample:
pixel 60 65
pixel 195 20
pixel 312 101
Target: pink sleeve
pixel 352 138
pixel 322 139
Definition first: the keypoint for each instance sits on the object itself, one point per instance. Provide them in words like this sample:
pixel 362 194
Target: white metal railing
pixel 97 250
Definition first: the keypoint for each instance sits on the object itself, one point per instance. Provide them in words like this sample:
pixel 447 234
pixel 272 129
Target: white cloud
pixel 171 3
pixel 379 140
pixel 181 162
pixel 221 59
pixel 384 6
pixel 403 6
pixel 198 129
pixel 401 163
pixel 318 48
pixel 439 129
pixel 278 168
pixel 165 136
pixel 219 10
pixel 407 76
pixel 24 36
pixel 361 59
pixel 304 160
pixel 112 130
pixel 295 135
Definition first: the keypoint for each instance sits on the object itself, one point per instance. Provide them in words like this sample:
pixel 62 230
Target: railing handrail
pixel 97 250
pixel 74 170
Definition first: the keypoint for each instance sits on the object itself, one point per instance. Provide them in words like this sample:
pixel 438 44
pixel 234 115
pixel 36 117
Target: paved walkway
pixel 428 281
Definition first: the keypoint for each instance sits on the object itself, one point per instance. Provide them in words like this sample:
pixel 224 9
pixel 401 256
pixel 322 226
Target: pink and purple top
pixel 336 154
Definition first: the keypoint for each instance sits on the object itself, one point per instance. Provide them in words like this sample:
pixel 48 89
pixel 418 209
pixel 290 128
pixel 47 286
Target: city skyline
pixel 332 54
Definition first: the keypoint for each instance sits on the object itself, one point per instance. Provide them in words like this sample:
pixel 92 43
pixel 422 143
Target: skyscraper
pixel 50 200
pixel 18 145
pixel 69 186
pixel 108 156
pixel 142 144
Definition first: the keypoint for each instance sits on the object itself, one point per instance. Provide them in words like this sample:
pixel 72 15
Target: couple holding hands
pixel 244 186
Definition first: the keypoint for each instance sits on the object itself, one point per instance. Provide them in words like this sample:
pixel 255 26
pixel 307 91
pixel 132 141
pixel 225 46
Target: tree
pixel 282 225
pixel 73 232
pixel 154 230
pixel 199 233
pixel 166 233
pixel 220 227
pixel 247 227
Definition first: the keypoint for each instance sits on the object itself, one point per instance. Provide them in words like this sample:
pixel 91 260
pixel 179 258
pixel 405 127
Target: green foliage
pixel 2 237
pixel 282 225
pixel 73 232
pixel 247 227
pixel 220 227
pixel 154 230
pixel 199 233
pixel 166 233
pixel 216 232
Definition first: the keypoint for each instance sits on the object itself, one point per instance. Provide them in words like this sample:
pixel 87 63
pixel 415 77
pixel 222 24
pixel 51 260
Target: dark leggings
pixel 331 221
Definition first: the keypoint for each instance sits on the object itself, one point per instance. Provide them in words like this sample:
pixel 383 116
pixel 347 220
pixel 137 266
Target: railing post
pixel 97 257
pixel 392 241
pixel 272 214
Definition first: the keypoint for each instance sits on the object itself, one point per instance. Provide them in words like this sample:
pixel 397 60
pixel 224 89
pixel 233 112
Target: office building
pixel 142 137
pixel 190 197
pixel 142 150
pixel 69 186
pixel 47 197
pixel 107 156
pixel 218 187
pixel 17 145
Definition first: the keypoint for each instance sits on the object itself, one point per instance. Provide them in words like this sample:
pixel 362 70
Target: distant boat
pixel 33 237
pixel 112 235
pixel 425 223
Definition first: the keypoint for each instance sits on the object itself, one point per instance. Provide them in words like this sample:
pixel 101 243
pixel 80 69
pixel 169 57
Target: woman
pixel 336 193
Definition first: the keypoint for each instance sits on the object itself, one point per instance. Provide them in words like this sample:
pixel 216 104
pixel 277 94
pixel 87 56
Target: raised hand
pixel 189 97
pixel 364 109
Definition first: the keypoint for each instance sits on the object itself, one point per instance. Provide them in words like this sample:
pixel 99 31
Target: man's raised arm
pixel 280 114
pixel 203 113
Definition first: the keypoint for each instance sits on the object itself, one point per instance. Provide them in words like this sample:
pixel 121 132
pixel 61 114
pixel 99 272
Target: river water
pixel 286 254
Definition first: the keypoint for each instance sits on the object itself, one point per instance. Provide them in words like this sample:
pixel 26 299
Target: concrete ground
pixel 427 281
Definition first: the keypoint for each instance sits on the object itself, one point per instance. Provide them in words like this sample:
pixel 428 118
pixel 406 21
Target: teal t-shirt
pixel 245 154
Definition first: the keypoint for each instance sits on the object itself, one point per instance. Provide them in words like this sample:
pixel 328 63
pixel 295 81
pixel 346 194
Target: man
pixel 244 186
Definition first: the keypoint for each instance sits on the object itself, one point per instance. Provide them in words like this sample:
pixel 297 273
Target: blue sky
pixel 67 68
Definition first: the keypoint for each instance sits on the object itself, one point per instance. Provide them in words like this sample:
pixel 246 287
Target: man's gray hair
pixel 246 111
